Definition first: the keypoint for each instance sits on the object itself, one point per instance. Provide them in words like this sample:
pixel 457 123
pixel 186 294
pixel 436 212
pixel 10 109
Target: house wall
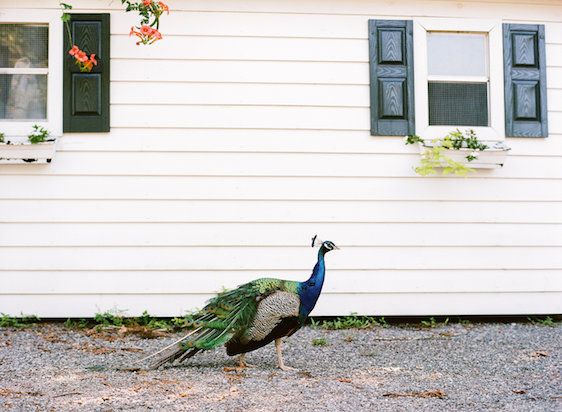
pixel 245 132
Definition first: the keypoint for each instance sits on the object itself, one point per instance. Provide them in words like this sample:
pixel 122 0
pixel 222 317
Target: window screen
pixel 23 71
pixel 458 104
pixel 457 79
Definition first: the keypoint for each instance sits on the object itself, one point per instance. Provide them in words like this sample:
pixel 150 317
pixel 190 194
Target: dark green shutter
pixel 392 77
pixel 525 80
pixel 86 95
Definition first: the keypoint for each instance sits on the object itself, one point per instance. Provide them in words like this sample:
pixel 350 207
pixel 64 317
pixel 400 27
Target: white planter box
pixel 491 158
pixel 23 152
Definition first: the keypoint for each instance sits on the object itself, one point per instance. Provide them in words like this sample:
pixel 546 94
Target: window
pixel 30 71
pixel 458 77
pixel 457 74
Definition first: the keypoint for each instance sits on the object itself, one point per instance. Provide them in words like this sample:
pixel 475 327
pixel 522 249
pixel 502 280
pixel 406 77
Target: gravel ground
pixel 513 367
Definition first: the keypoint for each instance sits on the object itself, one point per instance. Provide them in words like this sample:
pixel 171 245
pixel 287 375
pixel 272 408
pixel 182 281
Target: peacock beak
pixel 337 248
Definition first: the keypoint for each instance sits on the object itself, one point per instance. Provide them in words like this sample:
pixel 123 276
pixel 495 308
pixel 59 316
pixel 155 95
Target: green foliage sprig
pixel 24 321
pixel 433 156
pixel 38 135
pixel 148 10
pixel 349 322
pixel 1 137
pixel 319 342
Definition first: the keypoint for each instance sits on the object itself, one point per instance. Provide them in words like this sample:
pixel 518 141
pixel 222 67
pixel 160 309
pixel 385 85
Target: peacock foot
pixel 242 362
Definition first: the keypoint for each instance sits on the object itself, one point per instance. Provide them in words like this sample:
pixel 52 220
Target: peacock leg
pixel 280 362
pixel 242 362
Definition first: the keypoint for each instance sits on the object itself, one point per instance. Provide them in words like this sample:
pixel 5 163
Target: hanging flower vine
pixel 149 12
pixel 147 31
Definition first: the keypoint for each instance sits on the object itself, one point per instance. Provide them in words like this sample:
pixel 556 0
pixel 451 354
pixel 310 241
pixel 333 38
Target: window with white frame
pixel 458 77
pixel 30 72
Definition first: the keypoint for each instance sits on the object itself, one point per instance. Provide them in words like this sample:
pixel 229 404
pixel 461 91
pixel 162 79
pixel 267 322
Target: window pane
pixel 23 96
pixel 455 54
pixel 458 104
pixel 24 45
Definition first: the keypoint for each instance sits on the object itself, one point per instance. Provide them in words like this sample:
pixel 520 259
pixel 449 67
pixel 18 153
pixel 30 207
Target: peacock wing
pixel 270 313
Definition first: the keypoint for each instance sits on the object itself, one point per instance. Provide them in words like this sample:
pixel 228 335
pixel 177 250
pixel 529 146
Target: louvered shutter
pixel 525 80
pixel 391 77
pixel 86 95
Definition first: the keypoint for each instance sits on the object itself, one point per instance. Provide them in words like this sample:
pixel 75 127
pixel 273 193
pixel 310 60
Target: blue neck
pixel 309 291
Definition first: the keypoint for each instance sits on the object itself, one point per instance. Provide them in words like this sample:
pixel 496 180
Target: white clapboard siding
pixel 277 258
pixel 261 234
pixel 270 140
pixel 382 304
pixel 244 48
pixel 166 93
pixel 242 71
pixel 360 282
pixel 226 117
pixel 244 132
pixel 548 11
pixel 266 164
pixel 268 188
pixel 278 211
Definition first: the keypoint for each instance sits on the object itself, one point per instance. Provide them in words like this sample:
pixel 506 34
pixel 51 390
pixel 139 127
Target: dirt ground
pixel 510 366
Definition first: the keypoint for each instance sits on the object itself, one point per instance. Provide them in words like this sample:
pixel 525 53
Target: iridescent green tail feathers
pixel 227 315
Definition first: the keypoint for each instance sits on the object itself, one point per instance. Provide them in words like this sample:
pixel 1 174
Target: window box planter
pixel 493 157
pixel 21 151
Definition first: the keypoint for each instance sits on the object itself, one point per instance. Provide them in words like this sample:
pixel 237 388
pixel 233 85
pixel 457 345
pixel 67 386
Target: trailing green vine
pixel 433 156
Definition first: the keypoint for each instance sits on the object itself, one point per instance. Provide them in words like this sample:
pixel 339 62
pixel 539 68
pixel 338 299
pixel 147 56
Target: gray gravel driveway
pixel 514 367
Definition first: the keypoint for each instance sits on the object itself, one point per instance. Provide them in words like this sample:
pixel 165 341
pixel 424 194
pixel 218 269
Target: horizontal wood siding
pixel 245 132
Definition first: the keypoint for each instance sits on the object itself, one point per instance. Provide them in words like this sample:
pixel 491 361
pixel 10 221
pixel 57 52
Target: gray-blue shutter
pixel 525 80
pixel 86 95
pixel 391 77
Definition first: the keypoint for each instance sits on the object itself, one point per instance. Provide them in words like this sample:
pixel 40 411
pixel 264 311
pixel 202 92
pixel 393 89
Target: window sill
pixel 18 151
pixel 493 157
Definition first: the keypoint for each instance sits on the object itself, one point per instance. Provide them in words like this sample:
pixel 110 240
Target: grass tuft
pixel 24 321
pixel 546 321
pixel 433 323
pixel 319 342
pixel 349 322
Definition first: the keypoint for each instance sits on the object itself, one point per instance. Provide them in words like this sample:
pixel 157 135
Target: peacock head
pixel 325 246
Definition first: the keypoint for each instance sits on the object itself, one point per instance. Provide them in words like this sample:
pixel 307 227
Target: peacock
pixel 250 316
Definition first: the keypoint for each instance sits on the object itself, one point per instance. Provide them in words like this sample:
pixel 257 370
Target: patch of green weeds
pixel 145 325
pixel 24 321
pixel 349 322
pixel 433 323
pixel 76 323
pixel 546 321
pixel 319 342
pixel 153 323
pixel 106 319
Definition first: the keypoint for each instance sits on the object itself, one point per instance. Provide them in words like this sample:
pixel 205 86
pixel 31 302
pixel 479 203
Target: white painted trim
pixel 496 130
pixel 458 25
pixel 54 71
pixel 464 79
